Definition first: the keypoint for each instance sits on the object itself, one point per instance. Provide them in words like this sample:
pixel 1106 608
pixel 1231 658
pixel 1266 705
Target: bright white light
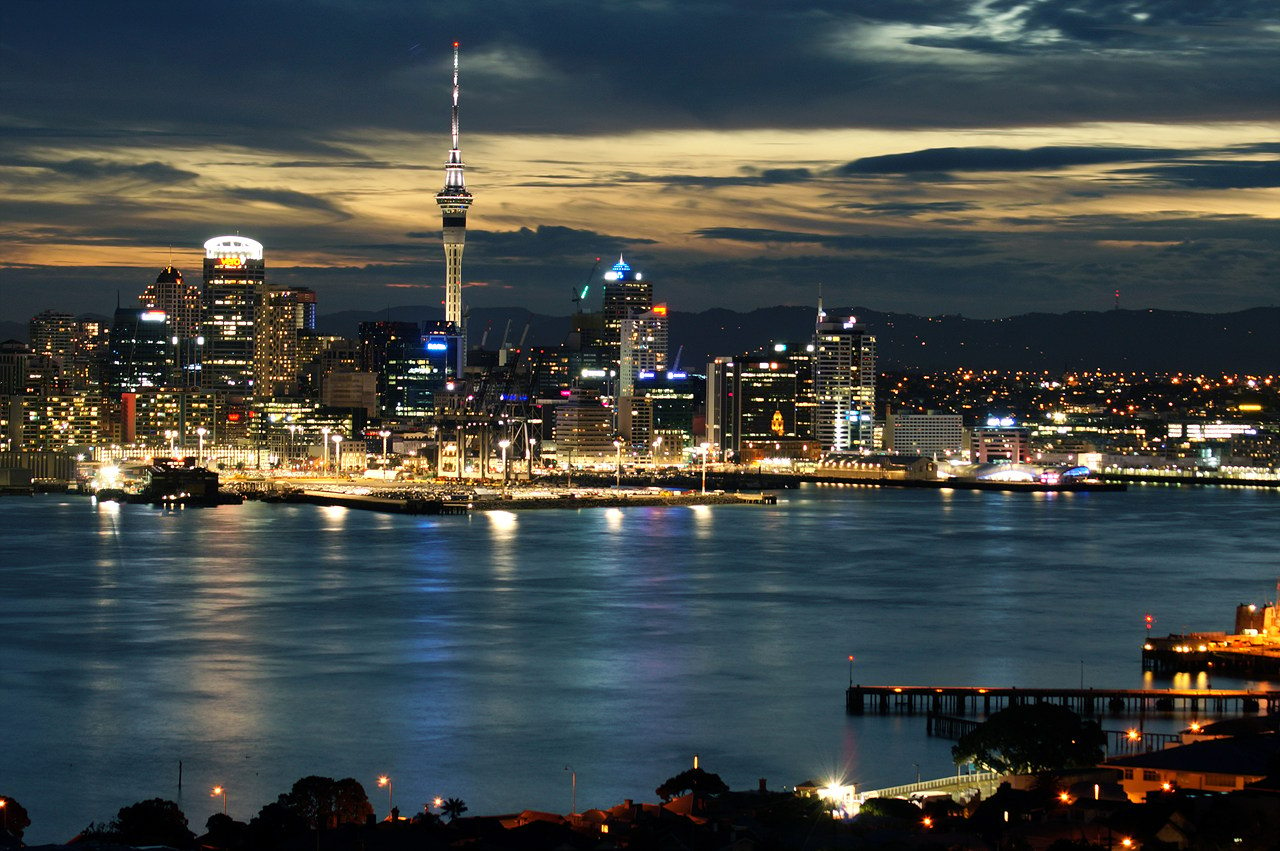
pixel 233 246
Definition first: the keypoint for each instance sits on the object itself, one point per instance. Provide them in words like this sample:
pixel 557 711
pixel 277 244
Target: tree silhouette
pixel 693 780
pixel 453 807
pixel 15 816
pixel 1032 738
pixel 275 825
pixel 153 822
pixel 323 803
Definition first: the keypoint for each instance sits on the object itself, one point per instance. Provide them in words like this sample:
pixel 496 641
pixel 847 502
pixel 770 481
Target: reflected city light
pixel 613 518
pixel 503 523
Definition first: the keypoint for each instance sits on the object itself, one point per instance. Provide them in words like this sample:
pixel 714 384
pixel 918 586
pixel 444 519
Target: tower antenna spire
pixel 454 115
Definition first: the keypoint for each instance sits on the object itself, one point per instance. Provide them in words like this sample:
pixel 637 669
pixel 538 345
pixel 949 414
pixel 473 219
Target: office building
pixel 180 304
pixel 138 352
pixel 1001 439
pixel 844 384
pixel 933 435
pixel 234 276
pixel 626 294
pixel 583 429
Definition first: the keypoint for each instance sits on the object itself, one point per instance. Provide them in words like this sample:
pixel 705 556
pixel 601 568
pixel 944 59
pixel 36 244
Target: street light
pixel 384 780
pixel 4 812
pixel 503 444
pixel 220 791
pixel 706 449
pixel 657 442
pixel 200 433
pixel 384 434
pixel 293 428
pixel 573 779
pixel 337 452
pixel 617 444
pixel 324 441
pixel 171 434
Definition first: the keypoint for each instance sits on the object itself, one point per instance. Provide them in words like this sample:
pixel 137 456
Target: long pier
pixel 972 700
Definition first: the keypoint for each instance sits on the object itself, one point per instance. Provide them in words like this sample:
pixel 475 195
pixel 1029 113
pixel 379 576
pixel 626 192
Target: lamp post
pixel 706 450
pixel 200 433
pixel 384 780
pixel 220 791
pixel 337 453
pixel 170 434
pixel 503 445
pixel 657 443
pixel 293 430
pixel 617 444
pixel 4 812
pixel 573 780
pixel 324 442
pixel 384 434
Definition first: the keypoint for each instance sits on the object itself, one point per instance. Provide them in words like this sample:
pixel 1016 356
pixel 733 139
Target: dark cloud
pixel 1237 174
pixel 880 242
pixel 288 198
pixel 907 209
pixel 944 160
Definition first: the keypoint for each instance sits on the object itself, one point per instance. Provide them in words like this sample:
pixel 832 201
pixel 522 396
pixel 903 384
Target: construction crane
pixel 580 293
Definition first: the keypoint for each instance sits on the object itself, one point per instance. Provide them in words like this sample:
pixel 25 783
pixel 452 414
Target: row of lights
pixel 384 781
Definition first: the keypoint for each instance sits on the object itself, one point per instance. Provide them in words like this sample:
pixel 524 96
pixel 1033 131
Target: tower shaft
pixel 454 200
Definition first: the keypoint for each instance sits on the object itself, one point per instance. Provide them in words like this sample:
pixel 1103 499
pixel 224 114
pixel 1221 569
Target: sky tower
pixel 454 200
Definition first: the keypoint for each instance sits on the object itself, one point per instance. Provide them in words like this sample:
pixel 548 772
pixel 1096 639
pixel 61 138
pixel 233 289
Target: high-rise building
pixel 626 294
pixel 14 360
pixel 751 398
pixel 643 347
pixel 65 350
pixel 454 201
pixel 285 315
pixel 180 303
pixel 234 275
pixel 137 351
pixel 844 386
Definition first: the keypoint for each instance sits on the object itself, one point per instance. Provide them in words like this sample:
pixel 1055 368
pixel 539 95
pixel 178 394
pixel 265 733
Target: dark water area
pixel 477 657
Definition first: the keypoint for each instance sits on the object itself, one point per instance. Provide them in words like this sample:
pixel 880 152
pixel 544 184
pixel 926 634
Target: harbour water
pixel 479 656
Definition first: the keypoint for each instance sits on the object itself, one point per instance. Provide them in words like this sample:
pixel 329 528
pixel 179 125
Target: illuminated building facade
pixel 626 294
pixel 234 275
pixel 138 351
pixel 454 200
pixel 1001 439
pixel 180 303
pixel 844 386
pixel 285 316
pixel 64 420
pixel 161 417
pixel 583 429
pixel 643 346
pixel 65 352
pixel 750 398
pixel 420 370
pixel 15 359
pixel 931 435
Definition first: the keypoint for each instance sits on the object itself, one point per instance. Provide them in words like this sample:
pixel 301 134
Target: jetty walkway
pixel 970 700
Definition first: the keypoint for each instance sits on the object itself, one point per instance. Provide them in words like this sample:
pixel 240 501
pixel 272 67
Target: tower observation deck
pixel 454 201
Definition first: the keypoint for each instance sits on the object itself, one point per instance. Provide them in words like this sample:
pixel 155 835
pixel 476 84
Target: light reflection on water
pixel 476 656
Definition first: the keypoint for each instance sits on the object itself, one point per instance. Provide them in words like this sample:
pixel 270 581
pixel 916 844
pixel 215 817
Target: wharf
pixel 965 700
pixel 1239 655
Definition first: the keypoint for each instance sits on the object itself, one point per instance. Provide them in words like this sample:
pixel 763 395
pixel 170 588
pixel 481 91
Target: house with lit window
pixel 1215 765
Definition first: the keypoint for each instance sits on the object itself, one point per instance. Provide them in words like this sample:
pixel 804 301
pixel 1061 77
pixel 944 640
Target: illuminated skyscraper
pixel 626 293
pixel 138 351
pixel 180 303
pixel 285 315
pixel 454 201
pixel 233 281
pixel 844 386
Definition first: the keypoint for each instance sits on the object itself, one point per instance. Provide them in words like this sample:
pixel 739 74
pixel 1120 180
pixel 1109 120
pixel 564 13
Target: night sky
pixel 984 157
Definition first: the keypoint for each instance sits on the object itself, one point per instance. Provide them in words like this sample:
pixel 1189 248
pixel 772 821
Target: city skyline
pixel 975 157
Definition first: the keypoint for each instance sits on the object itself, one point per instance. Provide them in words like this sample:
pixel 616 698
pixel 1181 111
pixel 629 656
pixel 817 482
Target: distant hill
pixel 1142 340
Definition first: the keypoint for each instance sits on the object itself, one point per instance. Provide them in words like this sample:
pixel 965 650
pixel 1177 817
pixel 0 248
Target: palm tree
pixel 453 807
